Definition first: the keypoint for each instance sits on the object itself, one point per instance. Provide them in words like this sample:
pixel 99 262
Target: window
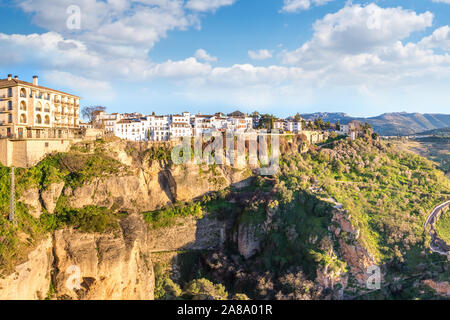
pixel 23 118
pixel 23 93
pixel 38 119
pixel 23 106
pixel 10 93
pixel 10 105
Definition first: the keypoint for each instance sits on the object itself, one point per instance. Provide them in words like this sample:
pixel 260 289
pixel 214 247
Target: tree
pixel 303 124
pixel 298 117
pixel 89 113
pixel 338 125
pixel 318 123
pixel 203 289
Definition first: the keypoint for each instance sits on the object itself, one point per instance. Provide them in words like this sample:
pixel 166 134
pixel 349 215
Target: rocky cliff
pixel 104 266
pixel 115 265
pixel 74 265
pixel 31 279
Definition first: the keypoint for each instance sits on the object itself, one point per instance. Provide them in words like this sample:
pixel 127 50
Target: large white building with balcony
pixel 31 111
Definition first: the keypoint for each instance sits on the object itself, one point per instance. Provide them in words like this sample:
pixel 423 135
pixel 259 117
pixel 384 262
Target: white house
pixel 293 126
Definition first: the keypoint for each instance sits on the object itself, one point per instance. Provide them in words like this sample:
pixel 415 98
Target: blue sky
pixel 277 56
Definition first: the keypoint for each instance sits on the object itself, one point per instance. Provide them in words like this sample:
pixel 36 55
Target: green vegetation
pixel 15 242
pixel 89 219
pixel 73 168
pixel 203 289
pixel 388 193
pixel 443 227
pixel 165 287
pixel 168 216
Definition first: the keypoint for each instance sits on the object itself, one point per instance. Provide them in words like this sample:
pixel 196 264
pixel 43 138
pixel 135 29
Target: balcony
pixel 6 110
pixel 5 97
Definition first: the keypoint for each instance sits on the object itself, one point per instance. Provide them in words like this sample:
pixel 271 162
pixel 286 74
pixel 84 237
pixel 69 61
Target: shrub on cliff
pixel 203 289
pixel 167 217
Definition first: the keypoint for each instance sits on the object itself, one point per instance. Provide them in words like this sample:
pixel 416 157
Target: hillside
pixel 392 124
pixel 441 132
pixel 140 227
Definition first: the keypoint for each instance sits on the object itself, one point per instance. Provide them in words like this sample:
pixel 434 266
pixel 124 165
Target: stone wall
pixel 26 153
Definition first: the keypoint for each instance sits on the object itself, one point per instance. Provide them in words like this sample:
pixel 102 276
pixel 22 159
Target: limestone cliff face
pixel 104 266
pixel 31 280
pixel 87 266
pixel 36 199
pixel 31 198
pixel 190 234
pixel 144 184
pixel 51 195
pixel 353 252
pixel 150 188
pixel 248 240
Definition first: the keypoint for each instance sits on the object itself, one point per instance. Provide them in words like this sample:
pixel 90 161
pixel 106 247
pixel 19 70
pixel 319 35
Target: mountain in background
pixel 390 124
pixel 440 132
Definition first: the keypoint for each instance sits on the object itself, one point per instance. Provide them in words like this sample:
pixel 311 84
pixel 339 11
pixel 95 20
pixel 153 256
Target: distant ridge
pixel 441 131
pixel 390 124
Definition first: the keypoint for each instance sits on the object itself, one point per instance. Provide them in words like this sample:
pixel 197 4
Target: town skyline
pixel 279 57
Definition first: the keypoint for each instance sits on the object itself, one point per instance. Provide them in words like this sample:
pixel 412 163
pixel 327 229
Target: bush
pixel 203 289
pixel 167 217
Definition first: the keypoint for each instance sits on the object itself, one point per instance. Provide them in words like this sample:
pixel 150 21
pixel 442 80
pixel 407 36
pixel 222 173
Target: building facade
pixel 30 111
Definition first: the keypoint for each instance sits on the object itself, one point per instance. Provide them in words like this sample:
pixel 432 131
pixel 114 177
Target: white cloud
pixel 300 5
pixel 439 39
pixel 442 1
pixel 201 54
pixel 83 86
pixel 189 68
pixel 127 28
pixel 208 5
pixel 360 49
pixel 356 30
pixel 262 54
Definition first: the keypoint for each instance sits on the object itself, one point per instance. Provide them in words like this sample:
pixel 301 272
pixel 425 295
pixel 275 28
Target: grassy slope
pixel 443 227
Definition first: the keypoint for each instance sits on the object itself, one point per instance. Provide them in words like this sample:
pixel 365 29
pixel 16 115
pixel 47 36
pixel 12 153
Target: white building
pixel 178 130
pixel 107 121
pixel 131 129
pixel 345 129
pixel 293 126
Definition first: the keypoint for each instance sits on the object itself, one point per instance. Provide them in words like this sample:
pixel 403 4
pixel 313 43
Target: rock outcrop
pixel 248 239
pixel 51 195
pixel 31 279
pixel 441 288
pixel 104 266
pixel 31 198
pixel 353 253
pixel 189 234
pixel 113 266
